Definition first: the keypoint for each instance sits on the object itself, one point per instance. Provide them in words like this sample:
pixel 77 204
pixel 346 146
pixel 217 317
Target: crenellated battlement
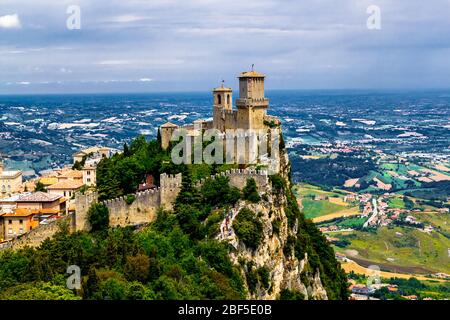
pixel 122 212
pixel 145 205
pixel 170 180
pixel 238 177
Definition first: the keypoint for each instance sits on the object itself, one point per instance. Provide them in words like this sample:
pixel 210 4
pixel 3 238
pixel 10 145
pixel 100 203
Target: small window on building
pixel 219 99
pixel 21 221
pixel 10 221
pixel 89 173
pixel 10 231
pixel 88 179
pixel 228 99
pixel 21 230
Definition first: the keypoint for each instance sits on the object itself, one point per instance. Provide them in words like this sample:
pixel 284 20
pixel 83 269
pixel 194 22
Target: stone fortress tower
pixel 223 108
pixel 252 105
pixel 250 112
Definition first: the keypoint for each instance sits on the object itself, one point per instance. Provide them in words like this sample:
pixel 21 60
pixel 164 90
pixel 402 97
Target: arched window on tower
pixel 228 99
pixel 219 99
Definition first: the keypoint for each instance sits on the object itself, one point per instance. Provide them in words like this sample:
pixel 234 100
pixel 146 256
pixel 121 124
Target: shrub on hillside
pixel 98 217
pixel 249 228
pixel 250 191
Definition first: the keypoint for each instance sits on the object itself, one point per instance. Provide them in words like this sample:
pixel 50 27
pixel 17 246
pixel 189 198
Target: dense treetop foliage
pixel 332 171
pixel 249 228
pixel 250 191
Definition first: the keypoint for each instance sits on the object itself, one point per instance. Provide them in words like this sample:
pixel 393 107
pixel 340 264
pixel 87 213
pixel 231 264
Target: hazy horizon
pixel 349 91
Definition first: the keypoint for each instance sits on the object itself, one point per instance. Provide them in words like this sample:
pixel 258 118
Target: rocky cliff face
pixel 285 272
pixel 275 255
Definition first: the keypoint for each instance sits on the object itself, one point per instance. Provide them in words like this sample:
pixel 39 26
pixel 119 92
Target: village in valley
pixel 394 215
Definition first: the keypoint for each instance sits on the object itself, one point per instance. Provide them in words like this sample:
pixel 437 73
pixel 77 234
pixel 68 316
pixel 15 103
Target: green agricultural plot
pixel 396 202
pixel 305 190
pixel 313 209
pixel 352 222
pixel 408 248
pixel 390 173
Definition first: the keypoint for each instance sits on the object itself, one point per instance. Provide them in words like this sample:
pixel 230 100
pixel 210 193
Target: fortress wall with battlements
pixel 82 205
pixel 170 187
pixel 230 119
pixel 142 210
pixel 238 178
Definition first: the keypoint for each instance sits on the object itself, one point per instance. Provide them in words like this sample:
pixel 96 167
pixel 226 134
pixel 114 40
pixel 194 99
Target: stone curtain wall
pixel 82 205
pixel 36 236
pixel 142 210
pixel 170 187
pixel 238 178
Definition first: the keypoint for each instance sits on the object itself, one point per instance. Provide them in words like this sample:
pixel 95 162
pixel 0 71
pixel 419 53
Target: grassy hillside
pixel 322 205
pixel 406 248
pixel 316 208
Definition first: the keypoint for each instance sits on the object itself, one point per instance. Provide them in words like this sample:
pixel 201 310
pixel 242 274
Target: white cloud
pixel 25 83
pixel 114 62
pixel 10 21
pixel 127 18
pixel 145 79
pixel 65 70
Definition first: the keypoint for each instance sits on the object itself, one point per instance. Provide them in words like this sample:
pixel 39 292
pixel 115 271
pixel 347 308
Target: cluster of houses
pixel 25 206
pixel 364 292
pixel 381 214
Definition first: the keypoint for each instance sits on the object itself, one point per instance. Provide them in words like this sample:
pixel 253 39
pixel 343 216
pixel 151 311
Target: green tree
pixel 189 194
pixel 218 192
pixel 409 204
pixel 77 165
pixel 137 268
pixel 291 295
pixel 248 228
pixel 38 291
pixel 40 187
pixel 250 191
pixel 98 217
pixel 158 137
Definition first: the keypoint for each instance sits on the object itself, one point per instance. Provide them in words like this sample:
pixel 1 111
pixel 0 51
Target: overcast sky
pixel 182 45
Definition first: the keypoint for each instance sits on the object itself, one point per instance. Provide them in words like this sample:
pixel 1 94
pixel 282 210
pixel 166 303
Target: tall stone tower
pixel 252 105
pixel 223 104
pixel 166 131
